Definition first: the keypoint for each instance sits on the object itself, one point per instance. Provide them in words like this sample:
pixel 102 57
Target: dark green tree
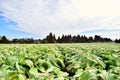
pixel 15 41
pixel 59 40
pixel 50 39
pixel 90 39
pixel 4 40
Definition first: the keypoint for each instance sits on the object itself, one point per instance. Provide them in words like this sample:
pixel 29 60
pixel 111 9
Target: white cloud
pixel 62 16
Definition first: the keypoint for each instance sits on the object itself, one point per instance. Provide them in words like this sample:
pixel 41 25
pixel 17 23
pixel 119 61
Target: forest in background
pixel 63 39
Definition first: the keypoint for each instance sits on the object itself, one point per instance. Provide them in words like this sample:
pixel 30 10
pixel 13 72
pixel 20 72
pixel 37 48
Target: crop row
pixel 60 62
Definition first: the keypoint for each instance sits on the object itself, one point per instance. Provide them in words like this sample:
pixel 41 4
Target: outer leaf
pixel 33 73
pixel 29 63
pixel 21 77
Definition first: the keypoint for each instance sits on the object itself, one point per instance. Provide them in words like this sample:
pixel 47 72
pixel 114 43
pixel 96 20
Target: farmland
pixel 84 61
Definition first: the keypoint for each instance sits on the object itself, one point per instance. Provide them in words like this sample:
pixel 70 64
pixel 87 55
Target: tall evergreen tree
pixel 4 40
pixel 49 39
pixel 90 39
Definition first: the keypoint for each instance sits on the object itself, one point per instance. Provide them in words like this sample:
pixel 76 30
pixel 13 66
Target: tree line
pixel 63 39
pixel 74 39
pixel 117 40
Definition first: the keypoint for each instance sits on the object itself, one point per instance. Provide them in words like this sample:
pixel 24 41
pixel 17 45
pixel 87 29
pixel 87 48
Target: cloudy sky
pixel 37 18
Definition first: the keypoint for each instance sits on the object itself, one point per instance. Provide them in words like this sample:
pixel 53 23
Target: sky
pixel 37 18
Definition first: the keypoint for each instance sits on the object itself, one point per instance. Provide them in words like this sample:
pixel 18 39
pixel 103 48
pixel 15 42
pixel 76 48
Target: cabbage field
pixel 83 61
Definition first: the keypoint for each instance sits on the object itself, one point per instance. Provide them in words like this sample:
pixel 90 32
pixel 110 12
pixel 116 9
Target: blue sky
pixel 37 18
pixel 11 33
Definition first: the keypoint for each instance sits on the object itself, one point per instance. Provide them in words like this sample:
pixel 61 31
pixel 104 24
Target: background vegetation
pixel 63 39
